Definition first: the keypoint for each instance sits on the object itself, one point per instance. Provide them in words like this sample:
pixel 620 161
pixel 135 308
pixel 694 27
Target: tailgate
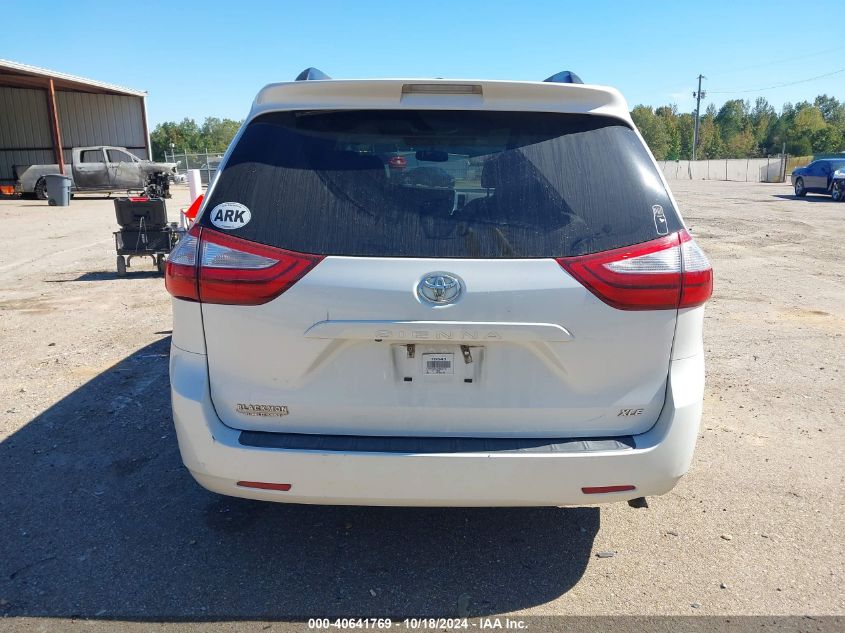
pixel 525 352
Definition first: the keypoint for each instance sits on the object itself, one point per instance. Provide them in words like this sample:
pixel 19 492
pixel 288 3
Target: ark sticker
pixel 230 215
pixel 660 220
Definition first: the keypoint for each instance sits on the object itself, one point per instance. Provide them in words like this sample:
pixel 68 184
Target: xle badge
pixel 660 220
pixel 230 215
pixel 629 412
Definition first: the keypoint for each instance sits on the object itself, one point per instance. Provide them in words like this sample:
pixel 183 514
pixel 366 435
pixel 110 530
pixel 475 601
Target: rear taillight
pixel 213 267
pixel 697 283
pixel 665 274
pixel 180 275
pixel 239 272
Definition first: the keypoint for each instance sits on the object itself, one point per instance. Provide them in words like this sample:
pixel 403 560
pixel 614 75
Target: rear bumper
pixel 218 460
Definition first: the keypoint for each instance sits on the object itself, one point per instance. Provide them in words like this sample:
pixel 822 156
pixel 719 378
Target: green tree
pixel 808 120
pixel 779 130
pixel 732 118
pixel 686 125
pixel 652 129
pixel 762 118
pixel 183 135
pixel 218 133
pixel 740 145
pixel 828 140
pixel 832 111
pixel 735 130
pixel 710 143
pixel 186 136
pixel 807 125
pixel 668 115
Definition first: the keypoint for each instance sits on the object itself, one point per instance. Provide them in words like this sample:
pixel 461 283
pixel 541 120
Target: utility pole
pixel 698 97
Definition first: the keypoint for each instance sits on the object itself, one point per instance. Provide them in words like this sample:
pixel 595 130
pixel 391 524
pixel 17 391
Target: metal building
pixel 45 114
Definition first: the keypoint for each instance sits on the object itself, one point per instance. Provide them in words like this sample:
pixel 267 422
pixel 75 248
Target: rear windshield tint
pixel 439 183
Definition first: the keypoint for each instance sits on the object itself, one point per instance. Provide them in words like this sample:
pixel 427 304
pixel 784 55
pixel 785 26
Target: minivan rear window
pixel 434 183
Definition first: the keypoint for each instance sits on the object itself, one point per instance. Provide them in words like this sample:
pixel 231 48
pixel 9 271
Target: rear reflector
pixel 262 485
pixel 597 490
pixel 212 267
pixel 664 274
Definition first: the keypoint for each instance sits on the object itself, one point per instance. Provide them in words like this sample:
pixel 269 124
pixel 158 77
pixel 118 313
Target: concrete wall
pixel 737 169
pixel 84 119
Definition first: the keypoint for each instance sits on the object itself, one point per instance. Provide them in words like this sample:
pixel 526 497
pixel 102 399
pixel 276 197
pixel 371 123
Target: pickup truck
pixel 101 168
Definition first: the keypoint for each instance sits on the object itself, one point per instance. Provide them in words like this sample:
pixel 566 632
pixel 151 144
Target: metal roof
pixel 25 76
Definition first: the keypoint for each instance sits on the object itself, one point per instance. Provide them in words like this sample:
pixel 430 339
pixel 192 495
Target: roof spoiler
pixel 311 74
pixel 564 77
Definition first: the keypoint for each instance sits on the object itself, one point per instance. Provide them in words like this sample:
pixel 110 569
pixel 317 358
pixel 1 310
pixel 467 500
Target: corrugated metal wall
pixel 25 136
pixel 84 118
pixel 92 119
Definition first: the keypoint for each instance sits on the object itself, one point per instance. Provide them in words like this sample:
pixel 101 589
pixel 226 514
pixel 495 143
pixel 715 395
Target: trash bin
pixel 58 190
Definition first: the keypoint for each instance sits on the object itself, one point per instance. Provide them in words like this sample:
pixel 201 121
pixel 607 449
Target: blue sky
pixel 209 58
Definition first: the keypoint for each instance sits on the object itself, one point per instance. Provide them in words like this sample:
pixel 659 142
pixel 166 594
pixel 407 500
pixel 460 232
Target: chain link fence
pixel 206 162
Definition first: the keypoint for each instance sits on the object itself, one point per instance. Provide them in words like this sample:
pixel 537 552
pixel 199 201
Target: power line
pixel 783 85
pixel 778 61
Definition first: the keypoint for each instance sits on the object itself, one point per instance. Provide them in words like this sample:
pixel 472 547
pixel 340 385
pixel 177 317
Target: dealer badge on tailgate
pixel 262 410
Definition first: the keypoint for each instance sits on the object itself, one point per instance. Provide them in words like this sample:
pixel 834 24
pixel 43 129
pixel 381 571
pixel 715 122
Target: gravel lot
pixel 99 520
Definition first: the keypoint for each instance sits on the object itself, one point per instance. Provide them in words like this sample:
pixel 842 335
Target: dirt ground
pixel 100 522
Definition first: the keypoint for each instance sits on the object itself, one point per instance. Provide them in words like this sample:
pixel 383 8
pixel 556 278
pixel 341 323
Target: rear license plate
pixel 438 364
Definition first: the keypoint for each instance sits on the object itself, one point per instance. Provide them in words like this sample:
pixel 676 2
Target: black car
pixel 837 187
pixel 816 177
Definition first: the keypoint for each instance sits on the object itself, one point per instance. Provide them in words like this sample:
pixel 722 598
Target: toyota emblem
pixel 439 288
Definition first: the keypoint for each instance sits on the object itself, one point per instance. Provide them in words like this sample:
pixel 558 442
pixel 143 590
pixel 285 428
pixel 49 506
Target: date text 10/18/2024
pixel 414 624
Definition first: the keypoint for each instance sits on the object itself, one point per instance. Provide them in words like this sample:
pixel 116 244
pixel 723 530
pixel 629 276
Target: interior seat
pixel 428 190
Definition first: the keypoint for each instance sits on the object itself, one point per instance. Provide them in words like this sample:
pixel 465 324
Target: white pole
pixel 147 129
pixel 194 183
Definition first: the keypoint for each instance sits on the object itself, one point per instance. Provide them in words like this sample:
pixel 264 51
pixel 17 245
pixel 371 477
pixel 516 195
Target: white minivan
pixel 438 293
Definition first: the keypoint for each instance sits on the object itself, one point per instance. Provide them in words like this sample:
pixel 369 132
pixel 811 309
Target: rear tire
pixel 121 266
pixel 41 189
pixel 160 264
pixel 800 189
